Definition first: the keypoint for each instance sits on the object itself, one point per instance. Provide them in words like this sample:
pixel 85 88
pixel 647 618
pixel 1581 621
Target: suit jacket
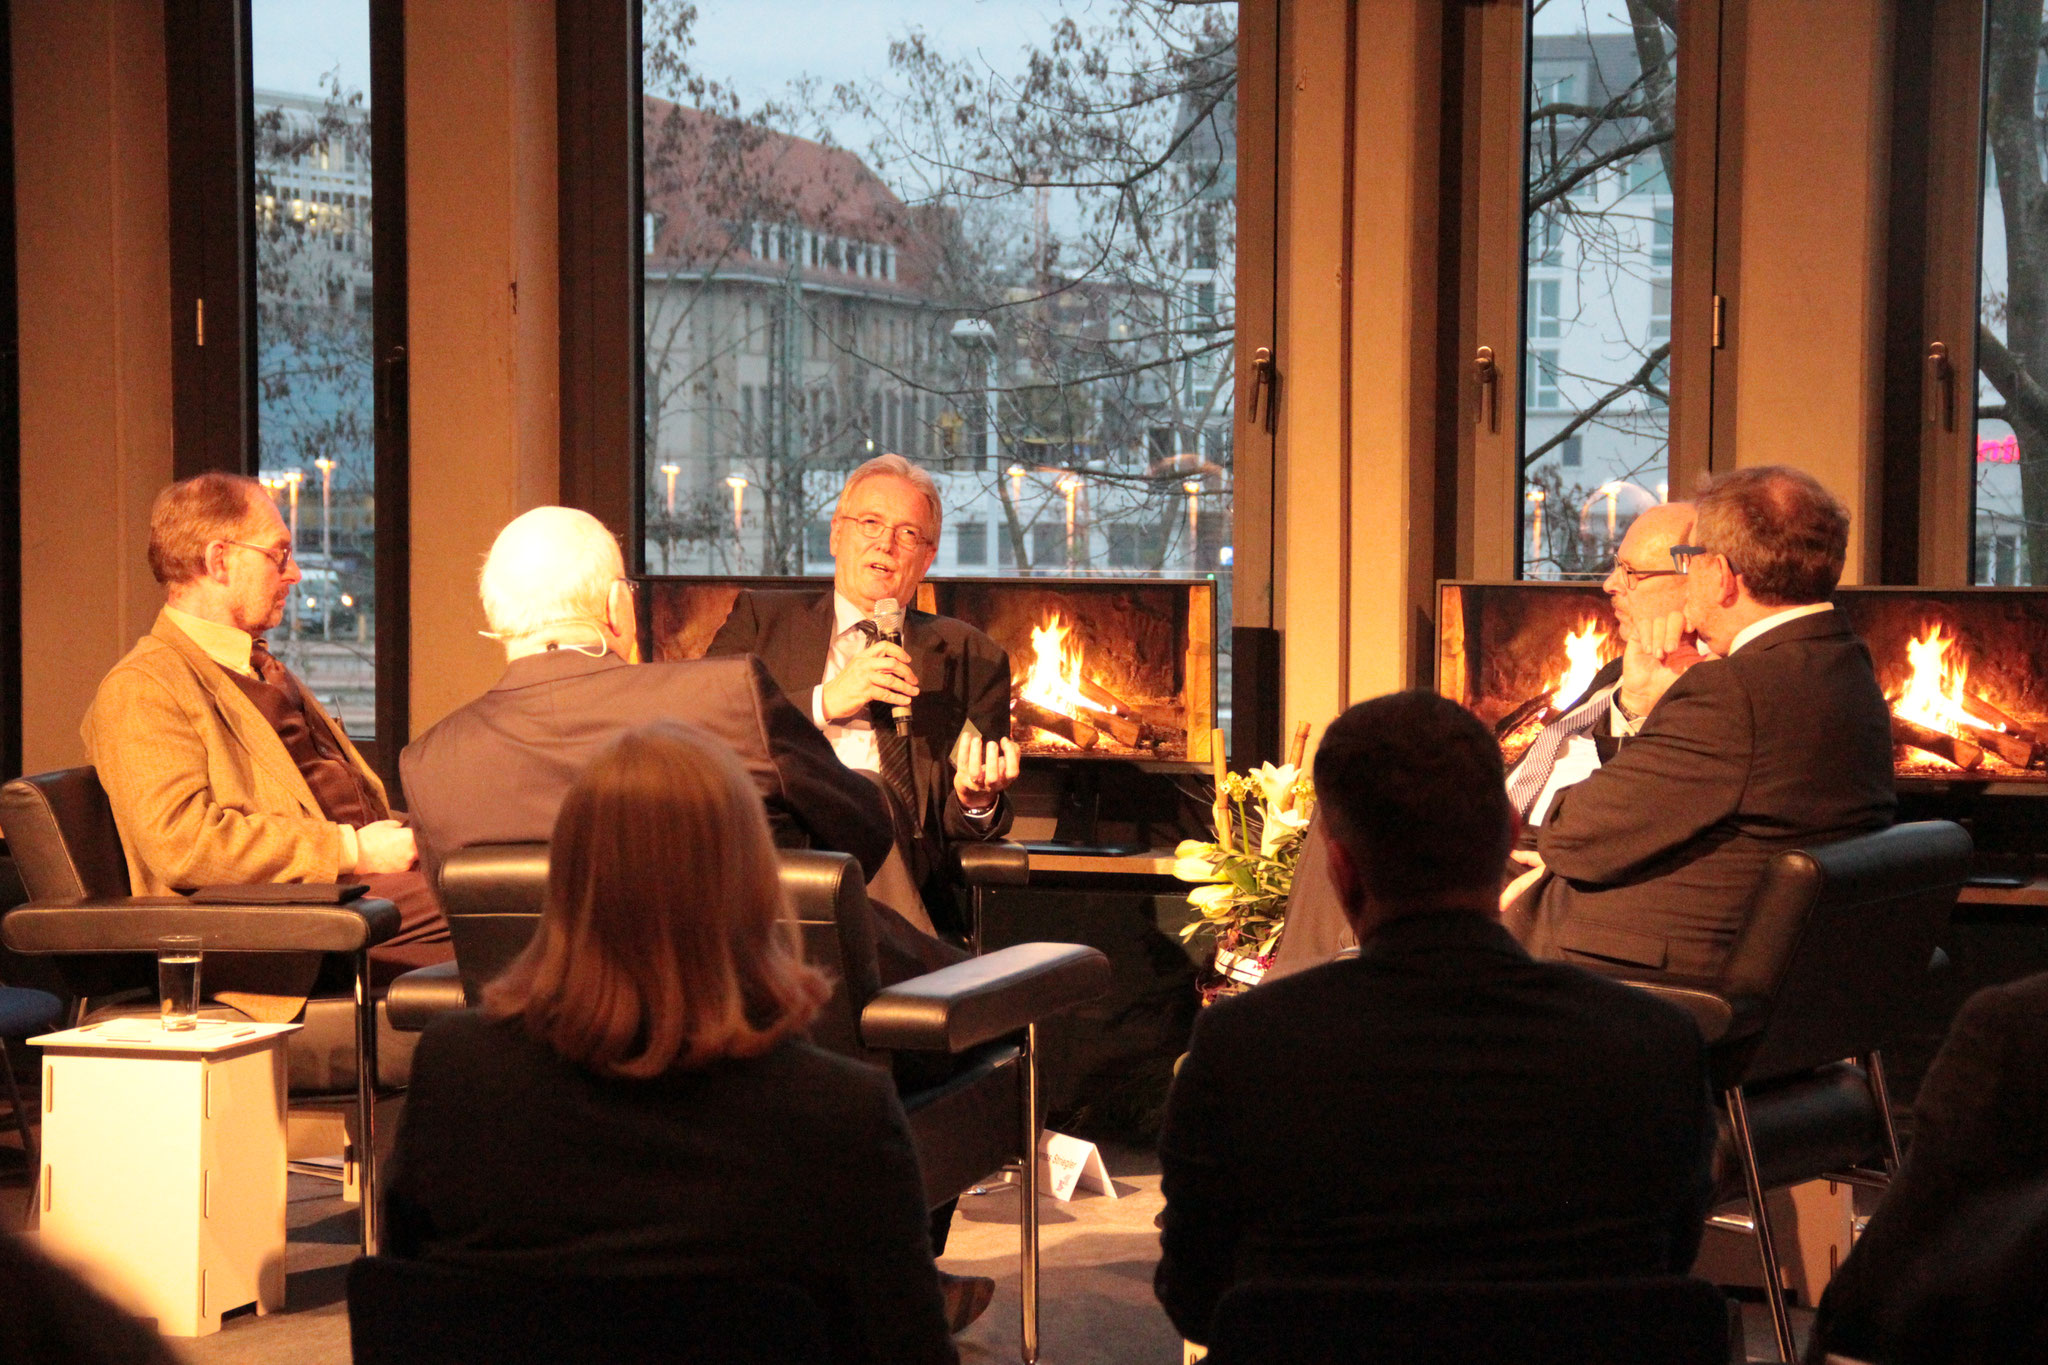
pixel 1786 743
pixel 496 770
pixel 1980 1131
pixel 1439 1107
pixel 794 1165
pixel 962 675
pixel 205 793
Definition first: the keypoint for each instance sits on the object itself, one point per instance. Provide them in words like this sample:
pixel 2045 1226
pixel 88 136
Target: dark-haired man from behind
pixel 1441 1106
pixel 1783 739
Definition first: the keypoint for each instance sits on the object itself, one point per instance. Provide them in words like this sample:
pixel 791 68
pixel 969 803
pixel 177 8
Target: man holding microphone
pixel 920 702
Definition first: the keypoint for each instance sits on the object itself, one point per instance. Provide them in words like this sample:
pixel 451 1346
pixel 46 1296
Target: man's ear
pixel 1344 877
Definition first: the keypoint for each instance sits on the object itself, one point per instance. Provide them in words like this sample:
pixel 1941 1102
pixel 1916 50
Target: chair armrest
pixel 1722 1018
pixel 422 995
pixel 132 924
pixel 983 998
pixel 999 862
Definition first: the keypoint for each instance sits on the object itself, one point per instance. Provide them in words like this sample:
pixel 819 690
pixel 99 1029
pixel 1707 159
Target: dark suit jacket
pixel 794 1165
pixel 1980 1132
pixel 1786 743
pixel 962 675
pixel 1439 1107
pixel 496 770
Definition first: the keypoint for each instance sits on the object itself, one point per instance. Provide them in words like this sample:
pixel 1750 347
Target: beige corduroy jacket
pixel 206 794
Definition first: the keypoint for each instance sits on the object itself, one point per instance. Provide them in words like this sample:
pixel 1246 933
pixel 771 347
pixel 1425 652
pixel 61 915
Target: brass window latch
pixel 1266 384
pixel 1487 373
pixel 1941 386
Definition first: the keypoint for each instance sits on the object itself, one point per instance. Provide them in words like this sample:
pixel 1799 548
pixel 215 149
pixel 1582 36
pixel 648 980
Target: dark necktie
pixel 268 668
pixel 897 776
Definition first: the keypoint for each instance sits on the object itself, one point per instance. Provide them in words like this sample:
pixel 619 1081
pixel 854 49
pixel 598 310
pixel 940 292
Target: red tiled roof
pixel 705 175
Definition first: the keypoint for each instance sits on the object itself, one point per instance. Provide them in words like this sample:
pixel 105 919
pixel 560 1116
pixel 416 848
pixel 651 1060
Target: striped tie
pixel 1532 774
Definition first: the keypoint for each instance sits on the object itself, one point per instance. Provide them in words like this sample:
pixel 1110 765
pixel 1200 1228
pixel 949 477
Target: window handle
pixel 1941 386
pixel 1266 383
pixel 1487 373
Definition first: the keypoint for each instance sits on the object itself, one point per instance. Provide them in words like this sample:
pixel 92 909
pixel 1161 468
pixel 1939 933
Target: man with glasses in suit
pixel 946 778
pixel 221 766
pixel 1782 739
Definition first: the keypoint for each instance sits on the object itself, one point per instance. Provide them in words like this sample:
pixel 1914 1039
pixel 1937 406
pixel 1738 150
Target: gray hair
pixel 896 467
pixel 551 566
pixel 1780 528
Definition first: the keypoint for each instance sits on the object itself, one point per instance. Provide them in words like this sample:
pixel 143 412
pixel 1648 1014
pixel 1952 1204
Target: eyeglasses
pixel 1684 555
pixel 874 528
pixel 1631 575
pixel 278 557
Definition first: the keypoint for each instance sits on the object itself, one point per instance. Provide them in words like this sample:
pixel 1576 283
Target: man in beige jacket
pixel 220 765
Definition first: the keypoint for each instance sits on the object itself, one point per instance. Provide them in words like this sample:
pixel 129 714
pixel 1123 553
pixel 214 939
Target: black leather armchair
pixel 1665 1320
pixel 1829 965
pixel 412 1312
pixel 61 832
pixel 983 1013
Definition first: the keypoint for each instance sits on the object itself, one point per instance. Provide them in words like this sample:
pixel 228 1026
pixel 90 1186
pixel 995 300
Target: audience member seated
pixel 635 1097
pixel 946 778
pixel 1440 1106
pixel 221 766
pixel 1980 1133
pixel 1783 739
pixel 556 596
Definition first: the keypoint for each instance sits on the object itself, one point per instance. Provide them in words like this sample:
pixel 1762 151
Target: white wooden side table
pixel 164 1164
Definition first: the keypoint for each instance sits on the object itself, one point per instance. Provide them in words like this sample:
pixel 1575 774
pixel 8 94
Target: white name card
pixel 1065 1164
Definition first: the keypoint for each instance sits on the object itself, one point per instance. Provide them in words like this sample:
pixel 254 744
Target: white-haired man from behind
pixel 556 596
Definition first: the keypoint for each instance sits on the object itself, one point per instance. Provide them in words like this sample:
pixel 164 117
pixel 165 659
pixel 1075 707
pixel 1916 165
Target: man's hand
pixel 881 672
pixel 385 846
pixel 983 773
pixel 1512 892
pixel 1662 649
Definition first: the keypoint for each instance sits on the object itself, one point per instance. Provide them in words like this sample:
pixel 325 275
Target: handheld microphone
pixel 889 626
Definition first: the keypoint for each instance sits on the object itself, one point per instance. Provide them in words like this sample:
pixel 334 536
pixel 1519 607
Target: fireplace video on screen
pixel 1965 670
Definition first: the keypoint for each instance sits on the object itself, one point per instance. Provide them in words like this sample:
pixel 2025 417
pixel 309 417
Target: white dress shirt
pixel 1776 619
pixel 853 737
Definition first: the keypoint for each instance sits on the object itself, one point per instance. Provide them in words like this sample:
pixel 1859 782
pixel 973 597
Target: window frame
pixel 210 128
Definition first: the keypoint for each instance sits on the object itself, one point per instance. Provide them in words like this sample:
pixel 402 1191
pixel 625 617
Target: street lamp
pixel 669 472
pixel 326 468
pixel 1193 488
pixel 1535 525
pixel 1016 473
pixel 290 483
pixel 738 484
pixel 1070 485
pixel 971 335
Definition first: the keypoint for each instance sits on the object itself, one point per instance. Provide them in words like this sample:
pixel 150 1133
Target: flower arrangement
pixel 1245 877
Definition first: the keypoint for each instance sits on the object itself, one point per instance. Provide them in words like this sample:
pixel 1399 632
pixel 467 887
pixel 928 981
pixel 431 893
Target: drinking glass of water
pixel 177 980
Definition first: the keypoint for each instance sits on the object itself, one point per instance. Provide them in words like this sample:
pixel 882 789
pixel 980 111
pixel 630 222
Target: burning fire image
pixel 1066 707
pixel 1586 649
pixel 1584 652
pixel 1938 718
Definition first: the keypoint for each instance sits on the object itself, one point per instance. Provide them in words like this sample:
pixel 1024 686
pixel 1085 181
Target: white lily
pixel 1281 825
pixel 1276 784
